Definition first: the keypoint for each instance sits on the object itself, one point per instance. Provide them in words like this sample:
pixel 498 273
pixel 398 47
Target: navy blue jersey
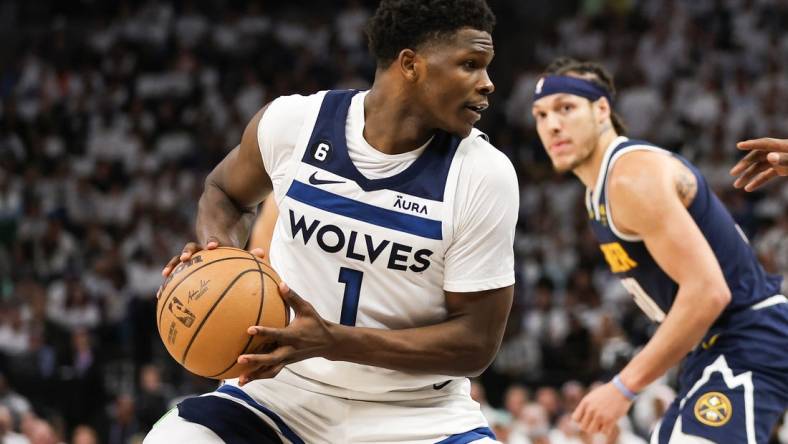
pixel 653 290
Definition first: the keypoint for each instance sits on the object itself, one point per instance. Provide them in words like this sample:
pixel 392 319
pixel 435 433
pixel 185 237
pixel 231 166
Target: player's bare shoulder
pixel 643 186
pixel 641 175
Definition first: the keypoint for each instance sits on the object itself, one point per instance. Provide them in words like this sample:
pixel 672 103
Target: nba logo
pixel 539 85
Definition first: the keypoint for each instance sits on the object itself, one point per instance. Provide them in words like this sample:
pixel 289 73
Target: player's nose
pixel 552 123
pixel 485 86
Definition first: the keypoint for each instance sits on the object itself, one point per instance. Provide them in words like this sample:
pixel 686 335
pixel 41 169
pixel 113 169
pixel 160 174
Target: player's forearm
pixel 449 348
pixel 690 317
pixel 220 218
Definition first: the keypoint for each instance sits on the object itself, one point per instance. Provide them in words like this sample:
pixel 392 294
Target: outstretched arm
pixel 767 159
pixel 653 206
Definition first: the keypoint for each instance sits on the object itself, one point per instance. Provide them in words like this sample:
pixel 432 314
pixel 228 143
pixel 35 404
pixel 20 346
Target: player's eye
pixel 469 64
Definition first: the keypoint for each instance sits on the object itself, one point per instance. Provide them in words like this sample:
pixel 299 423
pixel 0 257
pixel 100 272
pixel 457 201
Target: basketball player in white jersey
pixel 394 237
pixel 767 159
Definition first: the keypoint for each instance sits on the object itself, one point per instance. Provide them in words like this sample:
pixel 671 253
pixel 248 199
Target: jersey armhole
pixel 608 205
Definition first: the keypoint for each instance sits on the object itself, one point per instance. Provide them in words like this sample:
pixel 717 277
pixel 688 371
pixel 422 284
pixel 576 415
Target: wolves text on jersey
pixel 359 246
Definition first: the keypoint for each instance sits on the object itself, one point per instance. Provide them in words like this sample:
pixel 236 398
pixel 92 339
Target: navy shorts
pixel 734 386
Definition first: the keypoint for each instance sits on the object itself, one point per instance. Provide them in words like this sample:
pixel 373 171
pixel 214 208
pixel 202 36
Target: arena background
pixel 111 114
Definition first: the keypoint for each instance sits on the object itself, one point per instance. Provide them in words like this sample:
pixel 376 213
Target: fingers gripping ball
pixel 208 303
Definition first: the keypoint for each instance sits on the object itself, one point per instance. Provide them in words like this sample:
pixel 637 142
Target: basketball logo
pixel 713 409
pixel 181 312
pixel 539 85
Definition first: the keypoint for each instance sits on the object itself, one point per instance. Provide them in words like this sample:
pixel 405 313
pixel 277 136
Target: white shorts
pixel 447 415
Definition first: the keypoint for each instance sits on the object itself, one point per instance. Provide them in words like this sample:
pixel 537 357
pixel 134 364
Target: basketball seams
pixel 208 313
pixel 284 304
pixel 167 298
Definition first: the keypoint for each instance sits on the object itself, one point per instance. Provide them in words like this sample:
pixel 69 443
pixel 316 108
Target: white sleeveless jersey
pixel 379 253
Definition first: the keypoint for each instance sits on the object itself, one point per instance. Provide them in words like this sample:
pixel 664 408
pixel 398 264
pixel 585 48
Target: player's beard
pixel 579 159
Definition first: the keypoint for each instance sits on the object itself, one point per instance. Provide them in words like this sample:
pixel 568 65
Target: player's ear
pixel 407 60
pixel 602 108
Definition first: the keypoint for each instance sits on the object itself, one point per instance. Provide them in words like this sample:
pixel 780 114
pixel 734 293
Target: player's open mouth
pixel 478 108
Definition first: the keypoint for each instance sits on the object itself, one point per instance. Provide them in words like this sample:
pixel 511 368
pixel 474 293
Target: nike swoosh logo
pixel 441 385
pixel 315 181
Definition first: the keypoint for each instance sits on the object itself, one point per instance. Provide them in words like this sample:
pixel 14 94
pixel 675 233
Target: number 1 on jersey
pixel 352 280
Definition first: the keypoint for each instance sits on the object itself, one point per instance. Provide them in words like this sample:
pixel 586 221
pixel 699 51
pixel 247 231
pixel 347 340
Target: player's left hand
pixel 307 336
pixel 600 410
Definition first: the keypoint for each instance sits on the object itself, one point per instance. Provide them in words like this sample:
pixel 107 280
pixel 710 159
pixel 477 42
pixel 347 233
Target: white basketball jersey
pixel 379 253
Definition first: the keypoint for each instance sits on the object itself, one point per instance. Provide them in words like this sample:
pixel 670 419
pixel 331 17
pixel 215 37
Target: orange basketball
pixel 207 304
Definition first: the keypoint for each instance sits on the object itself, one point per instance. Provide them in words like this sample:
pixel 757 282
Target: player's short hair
pixel 401 24
pixel 594 73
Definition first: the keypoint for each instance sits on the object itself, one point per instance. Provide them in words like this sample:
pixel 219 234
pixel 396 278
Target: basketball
pixel 207 304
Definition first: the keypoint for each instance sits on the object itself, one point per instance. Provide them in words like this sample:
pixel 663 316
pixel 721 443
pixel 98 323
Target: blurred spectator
pixel 478 394
pixel 572 393
pixel 7 433
pixel 81 386
pixel 152 399
pixel 515 400
pixel 39 431
pixel 16 403
pixel 84 435
pixel 121 425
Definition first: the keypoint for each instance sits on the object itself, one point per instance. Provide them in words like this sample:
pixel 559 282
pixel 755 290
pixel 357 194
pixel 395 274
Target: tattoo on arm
pixel 686 186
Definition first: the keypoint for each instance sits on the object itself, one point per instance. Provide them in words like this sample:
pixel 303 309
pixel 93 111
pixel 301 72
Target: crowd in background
pixel 112 114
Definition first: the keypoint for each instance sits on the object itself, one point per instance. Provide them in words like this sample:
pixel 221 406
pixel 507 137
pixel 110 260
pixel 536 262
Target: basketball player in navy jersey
pixel 687 264
pixel 767 159
pixel 396 226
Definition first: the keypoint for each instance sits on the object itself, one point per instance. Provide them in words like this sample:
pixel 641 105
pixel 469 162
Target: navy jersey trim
pixel 470 436
pixel 235 392
pixel 599 196
pixel 425 177
pixel 333 203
